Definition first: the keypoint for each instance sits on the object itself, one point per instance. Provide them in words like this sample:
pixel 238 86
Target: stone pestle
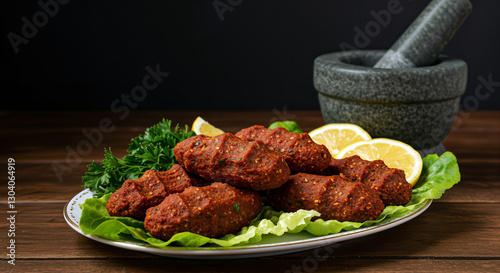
pixel 423 41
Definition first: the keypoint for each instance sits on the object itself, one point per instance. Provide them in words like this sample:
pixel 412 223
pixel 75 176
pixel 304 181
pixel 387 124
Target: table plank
pixel 475 146
pixel 309 119
pixel 73 147
pixel 230 120
pixel 485 121
pixel 39 183
pixel 64 141
pixel 309 264
pixel 61 141
pixel 459 232
pixel 444 230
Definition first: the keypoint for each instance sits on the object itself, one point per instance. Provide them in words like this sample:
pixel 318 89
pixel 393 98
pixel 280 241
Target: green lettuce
pixel 438 175
pixel 290 126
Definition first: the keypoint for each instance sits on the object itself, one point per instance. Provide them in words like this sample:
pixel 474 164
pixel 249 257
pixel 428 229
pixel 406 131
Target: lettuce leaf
pixel 290 126
pixel 95 220
pixel 438 175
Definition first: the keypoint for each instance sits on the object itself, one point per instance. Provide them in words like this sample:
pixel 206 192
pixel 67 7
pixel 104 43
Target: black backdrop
pixel 212 54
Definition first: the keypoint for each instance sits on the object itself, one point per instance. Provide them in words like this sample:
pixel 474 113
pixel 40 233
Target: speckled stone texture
pixel 428 35
pixel 413 105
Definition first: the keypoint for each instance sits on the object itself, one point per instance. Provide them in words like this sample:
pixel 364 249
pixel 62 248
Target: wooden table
pixel 459 232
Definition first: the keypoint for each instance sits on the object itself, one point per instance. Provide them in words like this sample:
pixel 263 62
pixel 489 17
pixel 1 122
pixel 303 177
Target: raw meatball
pixel 301 153
pixel 136 196
pixel 211 211
pixel 227 158
pixel 389 183
pixel 332 196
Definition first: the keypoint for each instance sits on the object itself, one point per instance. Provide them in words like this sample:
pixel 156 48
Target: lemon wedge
pixel 336 136
pixel 395 154
pixel 202 127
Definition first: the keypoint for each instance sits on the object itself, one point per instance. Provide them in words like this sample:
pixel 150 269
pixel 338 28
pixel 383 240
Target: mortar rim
pixel 337 78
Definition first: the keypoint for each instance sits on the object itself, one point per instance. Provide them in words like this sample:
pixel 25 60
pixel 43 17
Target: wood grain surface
pixel 459 232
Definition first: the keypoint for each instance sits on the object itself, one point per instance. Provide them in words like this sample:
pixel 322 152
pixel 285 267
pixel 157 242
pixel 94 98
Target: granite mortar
pixel 415 105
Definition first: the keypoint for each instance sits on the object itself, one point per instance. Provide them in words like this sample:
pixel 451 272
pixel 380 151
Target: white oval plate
pixel 270 244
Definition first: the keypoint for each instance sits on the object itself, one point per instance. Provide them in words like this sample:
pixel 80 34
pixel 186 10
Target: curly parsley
pixel 151 151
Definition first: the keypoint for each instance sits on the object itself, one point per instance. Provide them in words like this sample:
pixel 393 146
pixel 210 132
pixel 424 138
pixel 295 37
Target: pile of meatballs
pixel 217 186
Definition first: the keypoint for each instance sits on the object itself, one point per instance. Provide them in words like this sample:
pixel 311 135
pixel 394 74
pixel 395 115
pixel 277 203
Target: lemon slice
pixel 336 136
pixel 202 127
pixel 395 154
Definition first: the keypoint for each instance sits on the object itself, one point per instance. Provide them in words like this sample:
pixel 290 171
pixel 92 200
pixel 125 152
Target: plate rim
pixel 244 251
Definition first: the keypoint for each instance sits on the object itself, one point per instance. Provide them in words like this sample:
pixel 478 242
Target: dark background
pixel 260 56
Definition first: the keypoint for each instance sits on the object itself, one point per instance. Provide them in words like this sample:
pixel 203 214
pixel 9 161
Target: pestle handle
pixel 427 36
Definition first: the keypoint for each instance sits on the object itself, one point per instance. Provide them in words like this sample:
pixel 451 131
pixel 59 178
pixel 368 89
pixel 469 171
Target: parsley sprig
pixel 151 151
